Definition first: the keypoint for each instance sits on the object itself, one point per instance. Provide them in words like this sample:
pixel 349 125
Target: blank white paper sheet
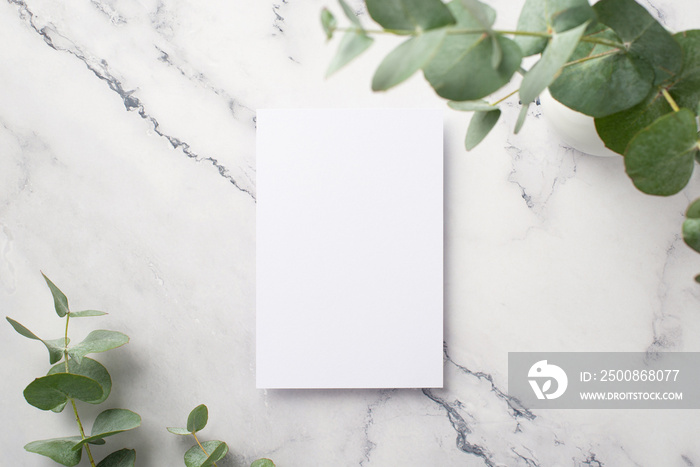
pixel 349 248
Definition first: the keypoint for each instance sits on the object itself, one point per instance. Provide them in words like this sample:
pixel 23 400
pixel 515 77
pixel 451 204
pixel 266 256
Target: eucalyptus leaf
pixel 691 233
pixel 86 313
pixel 407 58
pixel 480 126
pixel 643 35
pixel 461 69
pixel 693 211
pixel 691 226
pixel 352 44
pixel 461 74
pixel 111 422
pixel 98 341
pixel 51 391
pixel 540 15
pixel 91 369
pixel 121 458
pixel 660 159
pixel 54 346
pixel 195 457
pixel 480 12
pixel 685 87
pixel 60 301
pixel 263 463
pixel 521 117
pixel 58 449
pixel 328 22
pixel 556 54
pixel 573 17
pixel 349 13
pixel 410 15
pixel 618 129
pixel 197 418
pixel 471 106
pixel 602 80
pixel 178 431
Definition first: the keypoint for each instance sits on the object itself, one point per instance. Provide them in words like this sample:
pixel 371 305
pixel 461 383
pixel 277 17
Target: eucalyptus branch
pixel 202 447
pixel 89 381
pixel 458 32
pixel 82 433
pixel 505 97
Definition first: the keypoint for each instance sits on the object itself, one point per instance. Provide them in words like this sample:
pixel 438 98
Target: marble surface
pixel 127 175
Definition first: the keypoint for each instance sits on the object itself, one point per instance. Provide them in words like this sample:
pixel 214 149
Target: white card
pixel 349 248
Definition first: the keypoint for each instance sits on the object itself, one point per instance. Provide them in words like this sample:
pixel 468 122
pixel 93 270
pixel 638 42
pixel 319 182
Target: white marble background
pixel 127 174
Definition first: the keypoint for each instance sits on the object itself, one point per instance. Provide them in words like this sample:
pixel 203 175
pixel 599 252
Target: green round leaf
pixel 660 159
pixel 53 390
pixel 195 457
pixel 263 463
pixel 691 226
pixel 540 15
pixel 197 418
pixel 644 36
pixel 461 69
pixel 479 127
pixel 352 45
pixel 178 431
pixel 111 422
pixel 691 233
pixel 618 129
pixel 603 80
pixel 685 88
pixel 121 458
pixel 93 370
pixel 693 211
pixel 409 15
pixel 58 449
pixel 407 58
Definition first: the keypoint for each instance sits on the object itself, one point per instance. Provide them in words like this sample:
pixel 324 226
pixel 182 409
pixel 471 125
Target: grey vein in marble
pixel 100 69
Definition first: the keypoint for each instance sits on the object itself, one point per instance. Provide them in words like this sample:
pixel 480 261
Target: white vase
pixel 574 128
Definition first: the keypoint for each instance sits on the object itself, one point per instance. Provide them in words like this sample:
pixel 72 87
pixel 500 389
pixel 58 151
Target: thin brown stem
pixel 201 447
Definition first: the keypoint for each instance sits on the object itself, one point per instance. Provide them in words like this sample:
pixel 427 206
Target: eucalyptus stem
pixel 670 100
pixel 505 97
pixel 590 57
pixel 458 31
pixel 65 344
pixel 201 447
pixel 82 433
pixel 72 402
